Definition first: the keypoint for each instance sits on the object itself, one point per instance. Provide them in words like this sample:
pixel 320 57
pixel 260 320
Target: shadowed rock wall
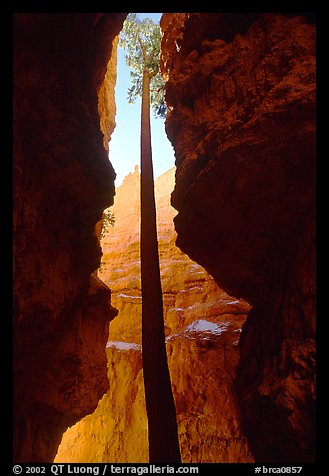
pixel 63 181
pixel 241 96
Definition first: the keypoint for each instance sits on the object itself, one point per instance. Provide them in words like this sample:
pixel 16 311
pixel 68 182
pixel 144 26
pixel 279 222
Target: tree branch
pixel 143 48
pixel 151 74
pixel 151 56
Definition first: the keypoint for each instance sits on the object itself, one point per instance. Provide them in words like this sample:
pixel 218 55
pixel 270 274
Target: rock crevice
pixel 202 327
pixel 241 116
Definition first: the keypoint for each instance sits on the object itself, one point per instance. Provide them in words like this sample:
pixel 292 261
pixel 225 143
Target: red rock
pixel 203 326
pixel 241 96
pixel 188 291
pixel 63 181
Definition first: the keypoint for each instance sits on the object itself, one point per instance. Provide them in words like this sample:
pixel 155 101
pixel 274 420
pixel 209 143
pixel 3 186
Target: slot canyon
pixel 237 251
pixel 203 326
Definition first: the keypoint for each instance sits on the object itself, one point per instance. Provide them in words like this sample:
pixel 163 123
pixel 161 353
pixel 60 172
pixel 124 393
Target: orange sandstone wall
pixel 63 181
pixel 203 326
pixel 241 97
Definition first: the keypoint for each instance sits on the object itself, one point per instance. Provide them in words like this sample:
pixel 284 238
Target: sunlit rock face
pixel 241 96
pixel 188 291
pixel 203 326
pixel 117 430
pixel 63 181
pixel 202 361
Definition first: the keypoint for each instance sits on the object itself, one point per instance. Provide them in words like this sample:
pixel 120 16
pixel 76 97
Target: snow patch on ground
pixel 127 296
pixel 202 329
pixel 123 345
pixel 202 325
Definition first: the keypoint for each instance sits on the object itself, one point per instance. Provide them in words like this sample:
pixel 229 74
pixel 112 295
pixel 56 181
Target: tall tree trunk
pixel 160 406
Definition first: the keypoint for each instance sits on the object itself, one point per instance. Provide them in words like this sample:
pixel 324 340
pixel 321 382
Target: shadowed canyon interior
pixel 240 91
pixel 203 326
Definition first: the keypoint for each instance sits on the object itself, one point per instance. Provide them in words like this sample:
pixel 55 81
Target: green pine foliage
pixel 108 220
pixel 141 41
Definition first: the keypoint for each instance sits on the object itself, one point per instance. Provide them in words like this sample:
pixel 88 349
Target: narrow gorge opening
pixel 240 89
pixel 203 326
pixel 202 323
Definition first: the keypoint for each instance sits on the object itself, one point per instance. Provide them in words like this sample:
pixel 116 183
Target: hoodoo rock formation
pixel 203 326
pixel 241 97
pixel 63 181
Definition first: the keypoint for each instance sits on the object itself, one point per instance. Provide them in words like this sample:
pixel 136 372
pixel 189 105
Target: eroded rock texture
pixel 189 293
pixel 117 430
pixel 63 181
pixel 241 98
pixel 203 326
